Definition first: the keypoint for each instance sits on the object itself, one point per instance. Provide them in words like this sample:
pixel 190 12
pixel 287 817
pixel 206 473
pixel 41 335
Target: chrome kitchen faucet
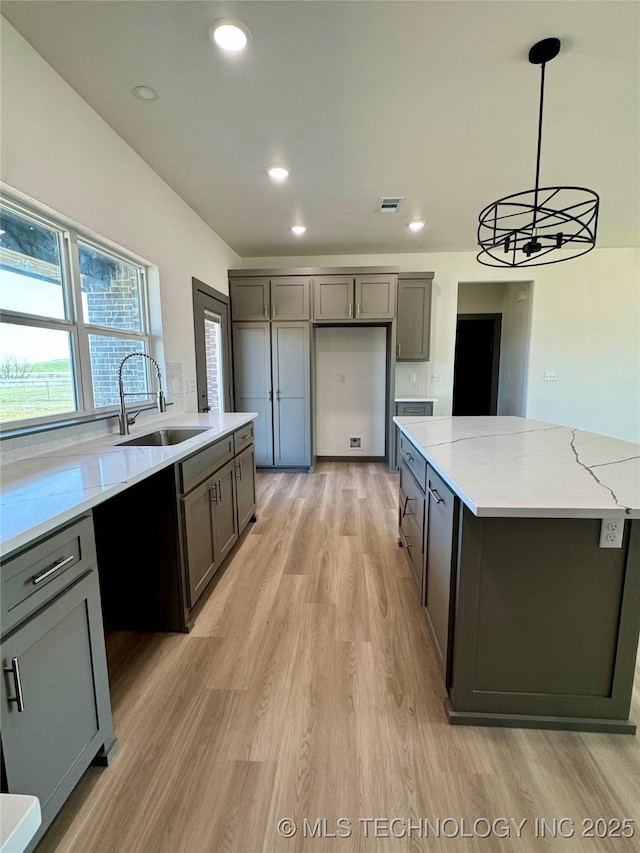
pixel 126 420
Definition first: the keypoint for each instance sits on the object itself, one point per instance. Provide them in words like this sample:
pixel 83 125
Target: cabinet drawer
pixel 38 574
pixel 201 465
pixel 413 460
pixel 412 502
pixel 243 437
pixel 414 408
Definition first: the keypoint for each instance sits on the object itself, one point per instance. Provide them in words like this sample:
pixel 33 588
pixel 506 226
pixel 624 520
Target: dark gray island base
pixel 534 623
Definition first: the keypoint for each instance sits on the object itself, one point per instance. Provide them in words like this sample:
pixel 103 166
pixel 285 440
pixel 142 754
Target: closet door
pixel 292 399
pixel 252 372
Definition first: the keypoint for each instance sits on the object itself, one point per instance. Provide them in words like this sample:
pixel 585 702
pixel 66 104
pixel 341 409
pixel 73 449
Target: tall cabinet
pixel 272 365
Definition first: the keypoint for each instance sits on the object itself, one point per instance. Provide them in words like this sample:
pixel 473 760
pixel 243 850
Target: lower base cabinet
pixel 56 712
pixel 216 512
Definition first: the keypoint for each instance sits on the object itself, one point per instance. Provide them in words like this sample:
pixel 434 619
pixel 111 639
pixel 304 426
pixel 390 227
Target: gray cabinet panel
pixel 66 716
pixel 291 379
pixel 245 487
pixel 333 297
pixel 290 297
pixel 414 319
pixel 250 298
pixel 199 528
pixel 375 297
pixel 252 371
pixel 441 520
pixel 225 517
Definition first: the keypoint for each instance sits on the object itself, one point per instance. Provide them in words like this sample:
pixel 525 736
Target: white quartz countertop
pixel 508 466
pixel 40 493
pixel 416 399
pixel 20 819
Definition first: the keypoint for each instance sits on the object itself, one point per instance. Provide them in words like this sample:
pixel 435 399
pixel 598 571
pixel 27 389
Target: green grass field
pixel 38 394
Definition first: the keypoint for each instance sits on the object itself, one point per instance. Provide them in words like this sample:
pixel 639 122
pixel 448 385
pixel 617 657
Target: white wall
pixel 480 297
pixel 57 150
pixel 585 326
pixel 350 390
pixel 514 349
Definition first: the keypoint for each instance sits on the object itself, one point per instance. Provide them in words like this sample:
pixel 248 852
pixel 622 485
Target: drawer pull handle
pixel 59 564
pixel 435 495
pixel 14 670
pixel 406 503
pixel 409 457
pixel 245 436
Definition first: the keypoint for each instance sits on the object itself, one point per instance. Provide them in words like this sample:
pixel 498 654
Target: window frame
pixel 74 322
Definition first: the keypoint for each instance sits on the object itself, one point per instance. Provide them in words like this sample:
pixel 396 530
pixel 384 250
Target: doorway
pixel 213 353
pixel 477 364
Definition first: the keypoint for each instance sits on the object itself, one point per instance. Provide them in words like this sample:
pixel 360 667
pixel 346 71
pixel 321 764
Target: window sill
pixel 17 432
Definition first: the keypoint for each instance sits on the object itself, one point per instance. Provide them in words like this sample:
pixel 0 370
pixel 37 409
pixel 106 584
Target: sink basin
pixel 162 438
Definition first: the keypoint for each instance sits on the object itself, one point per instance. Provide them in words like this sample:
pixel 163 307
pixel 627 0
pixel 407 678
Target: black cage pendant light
pixel 544 225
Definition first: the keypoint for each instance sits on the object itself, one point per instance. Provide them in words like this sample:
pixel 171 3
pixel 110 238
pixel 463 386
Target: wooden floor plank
pixel 309 688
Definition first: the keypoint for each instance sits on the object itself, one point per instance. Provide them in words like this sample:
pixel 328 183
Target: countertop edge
pixel 10 546
pixel 514 511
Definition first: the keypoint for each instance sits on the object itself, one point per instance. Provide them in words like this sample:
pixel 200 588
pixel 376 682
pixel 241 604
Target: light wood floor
pixel 309 689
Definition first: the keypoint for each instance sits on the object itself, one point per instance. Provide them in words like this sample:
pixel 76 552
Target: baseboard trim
pixel 352 458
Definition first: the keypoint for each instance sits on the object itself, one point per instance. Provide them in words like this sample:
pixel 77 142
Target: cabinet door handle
pixel 357 309
pixel 213 492
pixel 219 490
pixel 435 495
pixel 278 394
pixel 398 350
pixel 406 503
pixel 14 670
pixel 59 564
pixel 239 470
pixel 349 307
pixel 274 310
pixel 270 395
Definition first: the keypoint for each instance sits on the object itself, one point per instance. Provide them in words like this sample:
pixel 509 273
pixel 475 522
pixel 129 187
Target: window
pixel 70 312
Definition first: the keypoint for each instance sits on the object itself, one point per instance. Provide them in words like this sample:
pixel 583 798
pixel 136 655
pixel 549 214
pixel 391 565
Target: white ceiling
pixel 434 101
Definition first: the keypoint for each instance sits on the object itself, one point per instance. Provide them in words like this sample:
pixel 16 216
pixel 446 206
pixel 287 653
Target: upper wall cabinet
pixel 361 297
pixel 278 298
pixel 414 316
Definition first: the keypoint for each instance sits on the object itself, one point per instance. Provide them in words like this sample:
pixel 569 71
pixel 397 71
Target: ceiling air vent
pixel 389 204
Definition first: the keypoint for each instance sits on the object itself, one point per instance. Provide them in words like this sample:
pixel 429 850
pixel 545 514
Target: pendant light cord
pixel 535 198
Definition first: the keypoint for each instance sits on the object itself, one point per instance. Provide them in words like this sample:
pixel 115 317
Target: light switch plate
pixel 550 376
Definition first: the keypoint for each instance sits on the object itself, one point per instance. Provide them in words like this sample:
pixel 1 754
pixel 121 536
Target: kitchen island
pixel 524 540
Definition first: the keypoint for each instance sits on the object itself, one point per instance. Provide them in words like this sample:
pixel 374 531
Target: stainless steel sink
pixel 162 438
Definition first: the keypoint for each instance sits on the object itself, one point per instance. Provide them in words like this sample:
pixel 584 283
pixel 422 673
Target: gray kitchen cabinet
pixel 245 487
pixel 292 399
pixel 417 407
pixel 333 297
pixel 414 316
pixel 440 555
pixel 272 377
pixel 250 298
pixel 252 374
pixel 375 297
pixel 225 512
pixel 411 524
pixel 262 298
pixel 290 297
pixel 360 297
pixel 199 536
pixel 56 712
pixel 217 510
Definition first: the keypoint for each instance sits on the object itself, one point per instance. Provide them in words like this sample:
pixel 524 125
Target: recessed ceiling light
pixel 278 173
pixel 416 226
pixel 145 93
pixel 229 35
pixel 299 229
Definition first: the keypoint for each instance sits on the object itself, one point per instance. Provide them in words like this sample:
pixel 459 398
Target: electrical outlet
pixel 177 388
pixel 435 377
pixel 550 376
pixel 342 377
pixel 413 377
pixel 355 442
pixel 611 530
